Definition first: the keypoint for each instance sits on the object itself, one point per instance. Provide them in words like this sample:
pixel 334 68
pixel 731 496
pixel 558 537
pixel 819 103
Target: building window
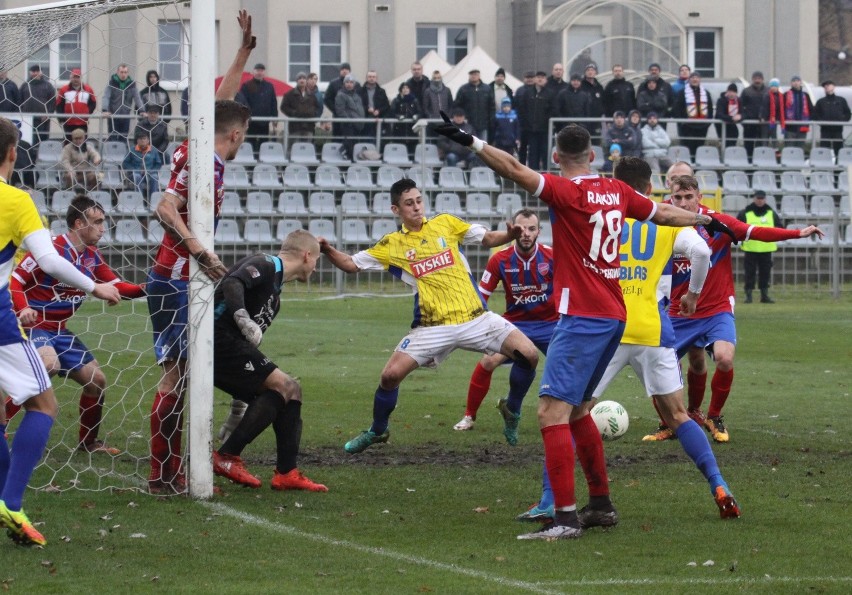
pixel 316 48
pixel 173 51
pixel 451 42
pixel 703 50
pixel 57 58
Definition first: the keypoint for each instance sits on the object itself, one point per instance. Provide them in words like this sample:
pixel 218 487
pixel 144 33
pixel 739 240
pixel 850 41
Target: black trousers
pixel 757 265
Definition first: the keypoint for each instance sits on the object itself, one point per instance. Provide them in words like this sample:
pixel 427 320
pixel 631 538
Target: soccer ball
pixel 611 419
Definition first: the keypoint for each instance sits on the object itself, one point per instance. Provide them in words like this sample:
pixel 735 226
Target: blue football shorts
pixel 169 308
pixel 70 350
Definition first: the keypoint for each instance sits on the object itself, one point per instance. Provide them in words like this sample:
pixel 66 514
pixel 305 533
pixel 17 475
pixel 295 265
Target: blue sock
pixel 4 457
pixel 383 405
pixel 695 444
pixel 546 491
pixel 27 448
pixel 520 380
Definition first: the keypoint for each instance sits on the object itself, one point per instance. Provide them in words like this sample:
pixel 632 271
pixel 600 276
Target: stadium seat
pixel 793 182
pixel 245 155
pixel 736 182
pixel 423 176
pixel 359 148
pixel 265 177
pixel 323 228
pixel 60 200
pixel 292 204
pixel 733 203
pixel 272 153
pixel 155 232
pixel 114 151
pixel 303 153
pixel 170 151
pixel 131 203
pixel 793 206
pixel 164 176
pixel 658 186
pixel 821 158
pixel 259 203
pixel 707 157
pixel 49 152
pixel 678 153
pixel 482 178
pixel 358 177
pixel 58 227
pixel 844 157
pixel 382 227
pixel 771 202
pixel 354 203
pixel 478 204
pixel 47 177
pixel 227 232
pixel 285 227
pixel 809 241
pixel 822 182
pixel 113 179
pixel 708 180
pixel 396 154
pixel 764 180
pixel 599 157
pixel 129 231
pixel 427 155
pixel 236 177
pixel 793 157
pixel 736 158
pixel 40 201
pixel 382 203
pixel 845 208
pixel 258 231
pixel 328 177
pixel 545 236
pixel 847 238
pixel 321 203
pixel 104 199
pixel 231 204
pixel 827 239
pixel 843 182
pixel 387 175
pixel 451 178
pixel 354 231
pixel 822 206
pixel 764 158
pixel 448 202
pixel 333 153
pixel 508 203
pixel 296 176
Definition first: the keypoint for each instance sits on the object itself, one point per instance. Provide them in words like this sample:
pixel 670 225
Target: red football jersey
pixel 586 214
pixel 528 283
pixel 172 260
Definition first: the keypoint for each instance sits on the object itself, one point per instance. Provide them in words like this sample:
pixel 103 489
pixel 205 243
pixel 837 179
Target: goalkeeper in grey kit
pixel 246 301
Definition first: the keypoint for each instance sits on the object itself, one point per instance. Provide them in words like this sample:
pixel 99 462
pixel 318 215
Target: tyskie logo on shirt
pixel 433 263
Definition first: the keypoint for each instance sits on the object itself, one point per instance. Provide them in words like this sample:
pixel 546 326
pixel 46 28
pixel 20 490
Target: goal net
pixel 62 56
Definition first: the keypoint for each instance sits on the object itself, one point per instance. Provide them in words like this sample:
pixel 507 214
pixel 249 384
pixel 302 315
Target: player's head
pixel 530 229
pixel 301 250
pixel 85 217
pixel 574 146
pixel 232 120
pixel 678 168
pixel 407 202
pixel 8 141
pixel 685 193
pixel 635 172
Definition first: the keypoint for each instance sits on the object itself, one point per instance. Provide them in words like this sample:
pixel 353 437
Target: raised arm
pixel 231 81
pixel 167 212
pixel 341 260
pixel 498 238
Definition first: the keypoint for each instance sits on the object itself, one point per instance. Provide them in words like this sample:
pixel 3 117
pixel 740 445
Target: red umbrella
pixel 281 88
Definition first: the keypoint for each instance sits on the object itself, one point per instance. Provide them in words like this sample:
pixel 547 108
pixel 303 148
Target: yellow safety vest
pixel 765 220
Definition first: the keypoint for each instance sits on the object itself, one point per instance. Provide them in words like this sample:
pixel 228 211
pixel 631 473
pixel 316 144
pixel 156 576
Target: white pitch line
pixel 754 580
pixel 383 552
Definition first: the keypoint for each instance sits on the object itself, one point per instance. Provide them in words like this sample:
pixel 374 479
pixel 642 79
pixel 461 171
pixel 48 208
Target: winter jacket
pixel 75 158
pixel 380 99
pixel 77 104
pixel 348 104
pixel 595 91
pixel 158 132
pixel 751 100
pixel 435 100
pixel 618 95
pixel 261 98
pixel 418 87
pixel 296 104
pixel 655 141
pixel 508 93
pixel 10 96
pixel 156 95
pixel 624 136
pixel 832 108
pixel 507 129
pixel 648 101
pixel 477 101
pixel 136 160
pixel 535 108
pixel 663 87
pixel 121 97
pixel 573 103
pixel 38 96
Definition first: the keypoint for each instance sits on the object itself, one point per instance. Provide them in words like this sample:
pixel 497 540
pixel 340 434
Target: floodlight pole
pixel 202 196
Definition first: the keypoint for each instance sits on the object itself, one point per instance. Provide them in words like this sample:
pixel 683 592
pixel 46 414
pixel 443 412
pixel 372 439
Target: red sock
pixel 590 451
pixel 159 441
pixel 90 418
pixel 696 384
pixel 11 409
pixel 720 388
pixel 559 459
pixel 480 382
pixel 175 439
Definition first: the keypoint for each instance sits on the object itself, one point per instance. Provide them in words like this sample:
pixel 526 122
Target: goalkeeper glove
pixel 238 409
pixel 248 327
pixel 453 132
pixel 717 226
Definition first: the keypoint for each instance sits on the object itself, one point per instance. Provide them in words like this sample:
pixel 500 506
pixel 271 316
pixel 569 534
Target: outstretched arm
pixel 341 260
pixel 498 238
pixel 676 217
pixel 231 81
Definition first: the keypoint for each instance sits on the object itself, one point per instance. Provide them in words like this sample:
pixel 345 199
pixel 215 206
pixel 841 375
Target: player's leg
pixel 480 382
pixel 720 388
pixel 524 355
pixel 91 378
pixel 696 381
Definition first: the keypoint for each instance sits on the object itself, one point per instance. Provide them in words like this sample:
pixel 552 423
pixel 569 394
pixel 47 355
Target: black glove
pixel 453 132
pixel 717 226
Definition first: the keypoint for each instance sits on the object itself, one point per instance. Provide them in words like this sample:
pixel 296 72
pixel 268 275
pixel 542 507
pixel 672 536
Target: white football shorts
pixel 22 373
pixel 657 368
pixel 430 345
